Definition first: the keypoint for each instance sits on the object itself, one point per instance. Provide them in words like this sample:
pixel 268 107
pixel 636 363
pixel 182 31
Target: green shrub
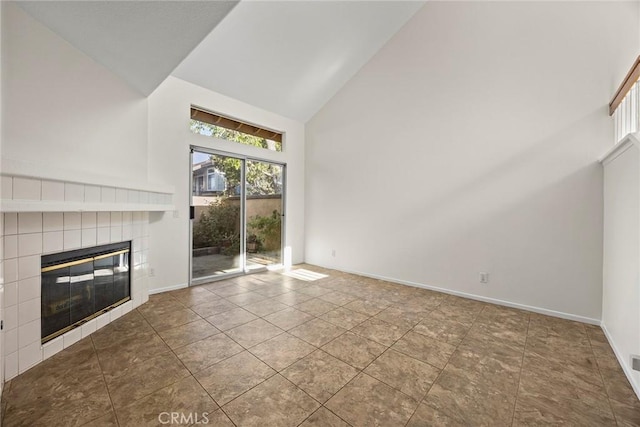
pixel 268 229
pixel 218 223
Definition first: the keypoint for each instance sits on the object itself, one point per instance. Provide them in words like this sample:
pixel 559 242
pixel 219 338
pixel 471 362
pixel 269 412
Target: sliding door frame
pixel 243 214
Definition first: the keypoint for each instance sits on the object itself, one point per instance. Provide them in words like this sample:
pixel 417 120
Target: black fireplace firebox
pixel 82 284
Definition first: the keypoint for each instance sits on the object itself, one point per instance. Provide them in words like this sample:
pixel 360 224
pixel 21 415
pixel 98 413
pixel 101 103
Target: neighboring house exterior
pixel 207 181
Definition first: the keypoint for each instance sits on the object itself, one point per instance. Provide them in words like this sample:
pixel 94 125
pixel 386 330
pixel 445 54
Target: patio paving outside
pixel 218 264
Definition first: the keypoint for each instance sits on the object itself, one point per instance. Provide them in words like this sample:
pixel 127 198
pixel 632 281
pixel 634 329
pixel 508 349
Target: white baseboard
pixel 534 309
pixel 622 360
pixel 167 289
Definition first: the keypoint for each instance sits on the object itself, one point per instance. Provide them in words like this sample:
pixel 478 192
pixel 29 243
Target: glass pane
pixel 207 129
pixel 214 125
pixel 264 182
pixel 81 292
pixel 103 282
pixel 56 313
pixel 120 276
pixel 216 224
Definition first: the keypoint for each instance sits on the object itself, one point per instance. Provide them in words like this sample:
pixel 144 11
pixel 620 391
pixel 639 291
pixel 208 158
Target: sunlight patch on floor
pixel 306 275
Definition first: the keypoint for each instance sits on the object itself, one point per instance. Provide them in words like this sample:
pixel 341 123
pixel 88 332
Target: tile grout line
pixel 485 305
pixel 221 407
pixel 604 385
pixel 180 360
pixel 106 386
pixel 361 371
pixel 6 390
pixel 446 364
pixel 524 352
pixel 192 374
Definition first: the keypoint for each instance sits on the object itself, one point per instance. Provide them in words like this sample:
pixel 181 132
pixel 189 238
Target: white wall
pixel 64 109
pixel 621 293
pixel 468 144
pixel 170 139
pixel 2 311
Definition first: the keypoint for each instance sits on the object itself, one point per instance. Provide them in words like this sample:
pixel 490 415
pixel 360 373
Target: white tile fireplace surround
pixel 45 211
pixel 29 235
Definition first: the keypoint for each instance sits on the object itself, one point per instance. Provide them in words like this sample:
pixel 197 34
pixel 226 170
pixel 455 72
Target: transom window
pixel 217 126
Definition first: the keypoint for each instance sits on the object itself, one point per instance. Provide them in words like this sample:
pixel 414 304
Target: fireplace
pixel 82 284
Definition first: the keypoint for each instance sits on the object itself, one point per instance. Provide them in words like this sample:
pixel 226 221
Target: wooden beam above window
pixel 632 77
pixel 227 123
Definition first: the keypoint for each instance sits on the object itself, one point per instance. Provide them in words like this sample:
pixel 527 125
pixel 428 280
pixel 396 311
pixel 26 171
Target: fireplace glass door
pixel 82 284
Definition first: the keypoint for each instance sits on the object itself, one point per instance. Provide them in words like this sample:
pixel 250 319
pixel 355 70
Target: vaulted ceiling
pixel 291 57
pixel 288 57
pixel 140 41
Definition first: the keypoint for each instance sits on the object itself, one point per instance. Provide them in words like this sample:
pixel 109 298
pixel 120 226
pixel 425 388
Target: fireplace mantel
pixel 9 206
pixel 30 187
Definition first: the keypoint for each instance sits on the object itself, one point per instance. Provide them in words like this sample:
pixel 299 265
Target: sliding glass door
pixel 236 214
pixel 264 210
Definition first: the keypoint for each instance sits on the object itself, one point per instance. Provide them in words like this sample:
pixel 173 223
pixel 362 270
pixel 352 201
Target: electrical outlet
pixel 484 277
pixel 333 252
pixel 635 362
pixel 152 272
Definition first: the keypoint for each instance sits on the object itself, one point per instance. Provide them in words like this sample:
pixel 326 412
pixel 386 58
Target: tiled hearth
pixel 272 350
pixel 27 236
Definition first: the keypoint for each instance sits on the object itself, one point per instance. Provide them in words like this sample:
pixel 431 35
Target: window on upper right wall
pixel 217 126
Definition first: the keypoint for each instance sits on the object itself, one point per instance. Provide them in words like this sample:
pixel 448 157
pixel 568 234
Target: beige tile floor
pixel 271 350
